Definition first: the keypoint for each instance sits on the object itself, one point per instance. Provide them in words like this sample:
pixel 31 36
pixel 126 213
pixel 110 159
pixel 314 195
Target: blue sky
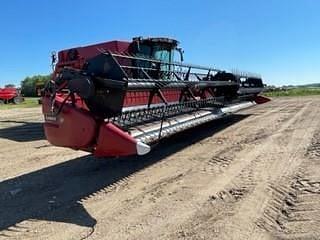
pixel 280 39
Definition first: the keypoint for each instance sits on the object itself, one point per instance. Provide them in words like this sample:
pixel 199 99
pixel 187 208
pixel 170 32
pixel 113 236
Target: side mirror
pixel 181 52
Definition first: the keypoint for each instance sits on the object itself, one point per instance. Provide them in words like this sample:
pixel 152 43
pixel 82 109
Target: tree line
pixel 31 85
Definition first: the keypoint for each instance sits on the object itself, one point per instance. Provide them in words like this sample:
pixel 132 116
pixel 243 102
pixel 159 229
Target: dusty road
pixel 255 175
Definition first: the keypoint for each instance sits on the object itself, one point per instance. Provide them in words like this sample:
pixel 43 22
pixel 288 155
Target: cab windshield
pixel 162 54
pixel 158 52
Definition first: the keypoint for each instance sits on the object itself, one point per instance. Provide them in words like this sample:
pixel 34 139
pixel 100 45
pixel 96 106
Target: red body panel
pixel 112 141
pixel 76 128
pixel 93 50
pixel 72 128
pixel 8 93
pixel 135 98
pixel 88 52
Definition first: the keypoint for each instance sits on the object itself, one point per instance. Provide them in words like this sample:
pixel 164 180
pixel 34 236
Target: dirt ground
pixel 255 175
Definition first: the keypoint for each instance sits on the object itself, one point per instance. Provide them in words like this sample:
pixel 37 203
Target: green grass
pixel 293 92
pixel 28 102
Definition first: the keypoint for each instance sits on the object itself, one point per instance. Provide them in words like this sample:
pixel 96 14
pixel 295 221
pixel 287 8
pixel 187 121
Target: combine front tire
pixel 18 100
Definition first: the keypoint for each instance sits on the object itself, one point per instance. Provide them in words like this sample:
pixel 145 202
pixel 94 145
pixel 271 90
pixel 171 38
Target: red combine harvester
pixel 10 95
pixel 118 98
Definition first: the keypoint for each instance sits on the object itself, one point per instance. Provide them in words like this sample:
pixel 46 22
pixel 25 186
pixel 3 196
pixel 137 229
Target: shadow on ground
pixel 55 193
pixel 24 132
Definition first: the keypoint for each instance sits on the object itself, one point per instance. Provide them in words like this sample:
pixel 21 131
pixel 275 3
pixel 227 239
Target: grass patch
pixel 293 92
pixel 28 102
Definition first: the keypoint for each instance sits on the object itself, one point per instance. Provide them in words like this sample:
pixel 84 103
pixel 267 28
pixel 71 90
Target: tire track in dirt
pixel 240 140
pixel 254 179
pixel 294 211
pixel 290 146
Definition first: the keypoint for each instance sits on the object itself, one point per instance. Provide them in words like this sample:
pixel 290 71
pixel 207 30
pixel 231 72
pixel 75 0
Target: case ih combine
pixel 118 98
pixel 10 95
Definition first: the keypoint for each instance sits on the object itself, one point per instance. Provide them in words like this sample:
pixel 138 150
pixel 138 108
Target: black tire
pixel 17 100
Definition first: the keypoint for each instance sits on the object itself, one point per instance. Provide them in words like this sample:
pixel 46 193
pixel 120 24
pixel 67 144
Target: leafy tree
pixel 30 85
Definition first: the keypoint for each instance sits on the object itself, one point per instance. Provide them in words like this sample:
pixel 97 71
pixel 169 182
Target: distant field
pixel 293 92
pixel 29 102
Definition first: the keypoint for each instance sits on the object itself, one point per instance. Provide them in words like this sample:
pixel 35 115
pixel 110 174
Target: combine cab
pixel 10 95
pixel 118 98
